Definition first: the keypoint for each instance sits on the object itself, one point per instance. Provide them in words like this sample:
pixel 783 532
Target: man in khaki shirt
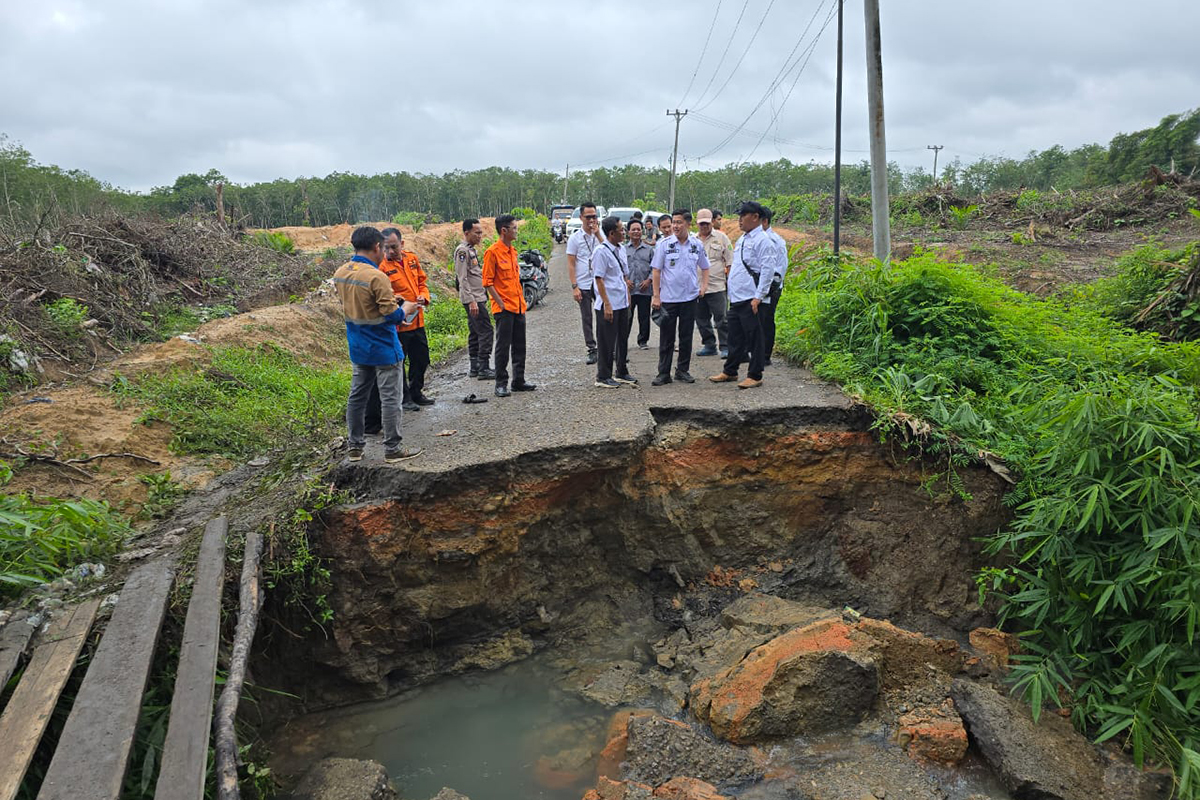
pixel 468 275
pixel 710 306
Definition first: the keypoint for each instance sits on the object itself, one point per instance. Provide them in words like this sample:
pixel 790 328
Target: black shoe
pixel 607 383
pixel 767 362
pixel 474 373
pixel 487 374
pixel 422 400
pixel 626 378
pixel 593 357
pixel 660 379
pixel 409 405
pixel 502 391
pixel 686 377
pixel 354 454
pixel 524 387
pixel 707 350
pixel 643 346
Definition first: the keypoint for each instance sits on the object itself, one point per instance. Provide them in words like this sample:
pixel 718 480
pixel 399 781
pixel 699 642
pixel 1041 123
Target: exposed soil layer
pixel 479 565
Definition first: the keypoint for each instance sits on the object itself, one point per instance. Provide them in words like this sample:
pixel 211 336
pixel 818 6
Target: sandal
pixel 471 398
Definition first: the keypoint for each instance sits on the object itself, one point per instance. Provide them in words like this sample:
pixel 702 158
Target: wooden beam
pixel 185 751
pixel 13 639
pixel 33 701
pixel 93 751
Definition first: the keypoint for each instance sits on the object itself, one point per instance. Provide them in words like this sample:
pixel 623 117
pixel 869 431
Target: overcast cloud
pixel 137 93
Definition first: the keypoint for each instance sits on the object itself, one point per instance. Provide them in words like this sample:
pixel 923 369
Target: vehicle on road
pixel 576 222
pixel 558 221
pixel 623 214
pixel 535 276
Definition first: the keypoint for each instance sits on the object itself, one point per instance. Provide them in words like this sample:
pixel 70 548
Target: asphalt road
pixel 567 409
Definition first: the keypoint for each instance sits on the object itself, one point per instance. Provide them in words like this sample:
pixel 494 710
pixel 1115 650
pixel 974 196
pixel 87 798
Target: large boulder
pixel 659 749
pixel 345 779
pixel 816 678
pixel 1046 760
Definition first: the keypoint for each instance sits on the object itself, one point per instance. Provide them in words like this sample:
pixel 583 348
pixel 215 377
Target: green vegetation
pixel 523 212
pixel 272 240
pixel 247 401
pixel 40 537
pixel 413 219
pixel 1100 423
pixel 67 314
pixel 445 327
pixel 343 197
pixel 1155 288
pixel 960 215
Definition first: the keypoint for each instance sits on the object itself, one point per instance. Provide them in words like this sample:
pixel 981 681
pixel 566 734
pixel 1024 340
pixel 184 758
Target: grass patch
pixel 1100 423
pixel 41 537
pixel 247 401
pixel 446 329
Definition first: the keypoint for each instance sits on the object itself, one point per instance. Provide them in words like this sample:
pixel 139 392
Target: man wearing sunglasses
pixel 580 248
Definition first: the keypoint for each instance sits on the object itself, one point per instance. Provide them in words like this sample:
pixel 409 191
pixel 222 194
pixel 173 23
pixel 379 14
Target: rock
pixel 934 734
pixel 997 647
pixel 619 684
pixel 1046 760
pixel 659 749
pixel 449 794
pixel 681 788
pixel 259 461
pixel 809 680
pixel 607 789
pixel 764 613
pixel 1124 781
pixel 905 657
pixel 345 779
pixel 868 771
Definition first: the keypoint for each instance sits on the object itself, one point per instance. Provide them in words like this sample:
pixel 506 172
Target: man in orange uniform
pixel 409 282
pixel 502 279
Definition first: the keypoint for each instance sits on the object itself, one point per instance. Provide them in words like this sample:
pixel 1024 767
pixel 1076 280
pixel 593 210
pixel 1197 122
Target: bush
pixel 413 219
pixel 1155 288
pixel 1100 422
pixel 273 240
pixel 67 314
pixel 40 537
pixel 523 212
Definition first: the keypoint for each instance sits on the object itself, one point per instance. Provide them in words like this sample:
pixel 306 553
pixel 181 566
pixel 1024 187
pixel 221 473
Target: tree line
pixel 31 190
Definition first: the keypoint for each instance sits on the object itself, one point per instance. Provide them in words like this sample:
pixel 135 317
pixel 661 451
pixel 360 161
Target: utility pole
pixel 678 115
pixel 880 229
pixel 566 177
pixel 837 146
pixel 934 148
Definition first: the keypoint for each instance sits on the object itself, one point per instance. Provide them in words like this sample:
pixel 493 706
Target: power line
pixel 741 59
pixel 728 43
pixel 703 50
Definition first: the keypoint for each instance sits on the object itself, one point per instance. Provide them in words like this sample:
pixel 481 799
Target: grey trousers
pixel 388 378
pixel 585 315
pixel 710 313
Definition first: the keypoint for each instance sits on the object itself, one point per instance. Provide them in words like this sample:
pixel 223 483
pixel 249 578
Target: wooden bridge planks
pixel 29 710
pixel 13 639
pixel 93 751
pixel 185 751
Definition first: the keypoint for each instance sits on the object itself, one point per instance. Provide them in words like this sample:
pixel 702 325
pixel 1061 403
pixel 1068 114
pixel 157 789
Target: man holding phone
pixel 409 282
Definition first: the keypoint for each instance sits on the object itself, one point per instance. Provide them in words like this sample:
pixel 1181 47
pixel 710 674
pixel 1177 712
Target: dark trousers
pixel 683 316
pixel 745 339
pixel 710 313
pixel 613 339
pixel 479 336
pixel 641 304
pixel 416 352
pixel 510 338
pixel 585 317
pixel 767 312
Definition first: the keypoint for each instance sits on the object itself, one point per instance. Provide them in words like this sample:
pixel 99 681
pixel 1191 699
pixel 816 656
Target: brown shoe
pixel 721 377
pixel 750 383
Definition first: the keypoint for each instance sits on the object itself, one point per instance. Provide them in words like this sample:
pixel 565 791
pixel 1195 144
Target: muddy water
pixel 521 733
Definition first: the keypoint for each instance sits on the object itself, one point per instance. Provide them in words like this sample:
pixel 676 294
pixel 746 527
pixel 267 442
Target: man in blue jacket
pixel 372 315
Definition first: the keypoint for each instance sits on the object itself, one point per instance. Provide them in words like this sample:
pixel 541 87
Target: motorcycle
pixel 535 276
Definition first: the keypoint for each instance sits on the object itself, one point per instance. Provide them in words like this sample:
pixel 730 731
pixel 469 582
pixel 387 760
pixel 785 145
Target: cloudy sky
pixel 139 92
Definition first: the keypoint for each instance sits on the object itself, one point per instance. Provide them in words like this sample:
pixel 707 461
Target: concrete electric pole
pixel 678 115
pixel 934 148
pixel 566 177
pixel 881 232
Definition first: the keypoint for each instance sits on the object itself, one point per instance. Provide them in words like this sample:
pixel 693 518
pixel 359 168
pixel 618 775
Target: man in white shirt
pixel 580 249
pixel 679 274
pixel 781 265
pixel 749 287
pixel 611 272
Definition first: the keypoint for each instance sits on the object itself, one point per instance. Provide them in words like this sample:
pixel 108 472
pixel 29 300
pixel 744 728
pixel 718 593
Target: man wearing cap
pixel 468 273
pixel 780 271
pixel 710 306
pixel 679 275
pixel 580 249
pixel 749 288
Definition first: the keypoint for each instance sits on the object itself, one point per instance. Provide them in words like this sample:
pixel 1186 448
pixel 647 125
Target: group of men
pixel 682 282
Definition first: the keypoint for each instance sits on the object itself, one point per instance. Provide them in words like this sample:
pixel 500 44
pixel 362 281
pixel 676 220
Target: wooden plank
pixel 32 703
pixel 93 751
pixel 185 751
pixel 13 640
